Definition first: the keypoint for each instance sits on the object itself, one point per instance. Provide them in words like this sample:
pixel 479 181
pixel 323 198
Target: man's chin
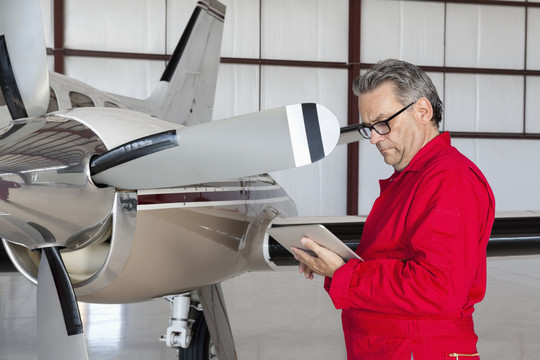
pixel 386 154
pixel 388 159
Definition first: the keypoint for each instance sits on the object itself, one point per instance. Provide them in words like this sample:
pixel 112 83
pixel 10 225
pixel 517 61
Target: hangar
pixel 483 59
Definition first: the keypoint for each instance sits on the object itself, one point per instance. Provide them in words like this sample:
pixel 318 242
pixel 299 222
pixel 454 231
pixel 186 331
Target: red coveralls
pixel 424 245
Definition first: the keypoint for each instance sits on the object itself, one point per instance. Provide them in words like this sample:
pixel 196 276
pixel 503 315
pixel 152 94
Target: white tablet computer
pixel 290 236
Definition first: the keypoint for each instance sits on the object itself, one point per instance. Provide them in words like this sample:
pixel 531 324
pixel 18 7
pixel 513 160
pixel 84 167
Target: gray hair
pixel 411 83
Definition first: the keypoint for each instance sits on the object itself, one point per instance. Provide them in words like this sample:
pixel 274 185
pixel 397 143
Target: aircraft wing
pixel 513 233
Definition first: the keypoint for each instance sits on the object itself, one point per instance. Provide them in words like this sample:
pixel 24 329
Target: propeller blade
pixel 24 77
pixel 60 331
pixel 251 144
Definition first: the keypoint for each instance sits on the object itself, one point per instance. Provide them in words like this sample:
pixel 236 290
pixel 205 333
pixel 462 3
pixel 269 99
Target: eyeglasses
pixel 380 127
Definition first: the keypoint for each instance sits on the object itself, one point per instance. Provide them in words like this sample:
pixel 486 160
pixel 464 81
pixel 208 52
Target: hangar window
pixel 80 100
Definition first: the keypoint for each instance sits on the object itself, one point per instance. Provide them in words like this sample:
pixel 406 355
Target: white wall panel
pixel 321 188
pixel 125 26
pixel 533 105
pixel 371 169
pixel 135 78
pixel 500 103
pixel 533 39
pixel 485 103
pixel 315 30
pixel 462 34
pixel 461 107
pixel 237 90
pixel 412 31
pixel 438 80
pixel 422 28
pixel 241 31
pixel 282 85
pixel 380 31
pixel 510 167
pixel 50 62
pixel 485 36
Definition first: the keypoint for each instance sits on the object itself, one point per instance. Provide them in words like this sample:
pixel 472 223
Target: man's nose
pixel 375 137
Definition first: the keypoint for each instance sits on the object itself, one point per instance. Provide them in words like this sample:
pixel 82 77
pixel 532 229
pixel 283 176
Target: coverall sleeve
pixel 446 228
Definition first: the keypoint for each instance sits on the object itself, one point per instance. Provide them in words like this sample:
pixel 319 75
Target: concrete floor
pixel 275 316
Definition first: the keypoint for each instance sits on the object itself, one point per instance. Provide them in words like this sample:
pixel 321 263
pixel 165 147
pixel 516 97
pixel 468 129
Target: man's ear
pixel 423 110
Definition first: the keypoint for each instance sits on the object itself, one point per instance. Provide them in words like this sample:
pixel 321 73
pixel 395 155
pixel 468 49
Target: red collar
pixel 429 151
pixel 422 157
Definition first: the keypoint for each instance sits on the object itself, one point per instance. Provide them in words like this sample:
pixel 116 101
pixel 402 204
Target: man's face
pixel 406 137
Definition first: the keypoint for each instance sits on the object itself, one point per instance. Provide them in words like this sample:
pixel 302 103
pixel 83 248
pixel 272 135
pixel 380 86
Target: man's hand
pixel 325 264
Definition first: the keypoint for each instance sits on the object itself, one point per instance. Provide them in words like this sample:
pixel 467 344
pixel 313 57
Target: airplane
pixel 110 199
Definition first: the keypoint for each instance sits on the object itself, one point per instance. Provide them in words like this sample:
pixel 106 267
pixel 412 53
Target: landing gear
pixel 201 347
pixel 188 331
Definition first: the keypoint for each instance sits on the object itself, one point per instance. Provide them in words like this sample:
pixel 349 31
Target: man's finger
pixel 311 245
pixel 301 255
pixel 308 274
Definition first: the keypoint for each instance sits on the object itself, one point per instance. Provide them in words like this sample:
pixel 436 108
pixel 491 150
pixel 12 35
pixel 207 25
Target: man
pixel 424 241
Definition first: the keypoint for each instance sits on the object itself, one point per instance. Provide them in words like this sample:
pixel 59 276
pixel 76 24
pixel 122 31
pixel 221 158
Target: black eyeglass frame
pixel 372 127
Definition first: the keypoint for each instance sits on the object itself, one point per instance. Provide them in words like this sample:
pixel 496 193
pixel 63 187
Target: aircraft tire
pixel 201 347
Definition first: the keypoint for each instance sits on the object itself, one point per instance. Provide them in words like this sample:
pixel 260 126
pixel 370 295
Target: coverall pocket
pixel 457 356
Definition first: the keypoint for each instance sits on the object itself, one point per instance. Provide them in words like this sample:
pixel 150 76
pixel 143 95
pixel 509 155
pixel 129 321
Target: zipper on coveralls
pixel 456 355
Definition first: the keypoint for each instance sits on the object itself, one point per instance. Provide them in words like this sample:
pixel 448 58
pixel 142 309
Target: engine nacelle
pixel 47 196
pixel 124 245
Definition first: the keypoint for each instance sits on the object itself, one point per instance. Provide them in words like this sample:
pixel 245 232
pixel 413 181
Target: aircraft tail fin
pixel 186 90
